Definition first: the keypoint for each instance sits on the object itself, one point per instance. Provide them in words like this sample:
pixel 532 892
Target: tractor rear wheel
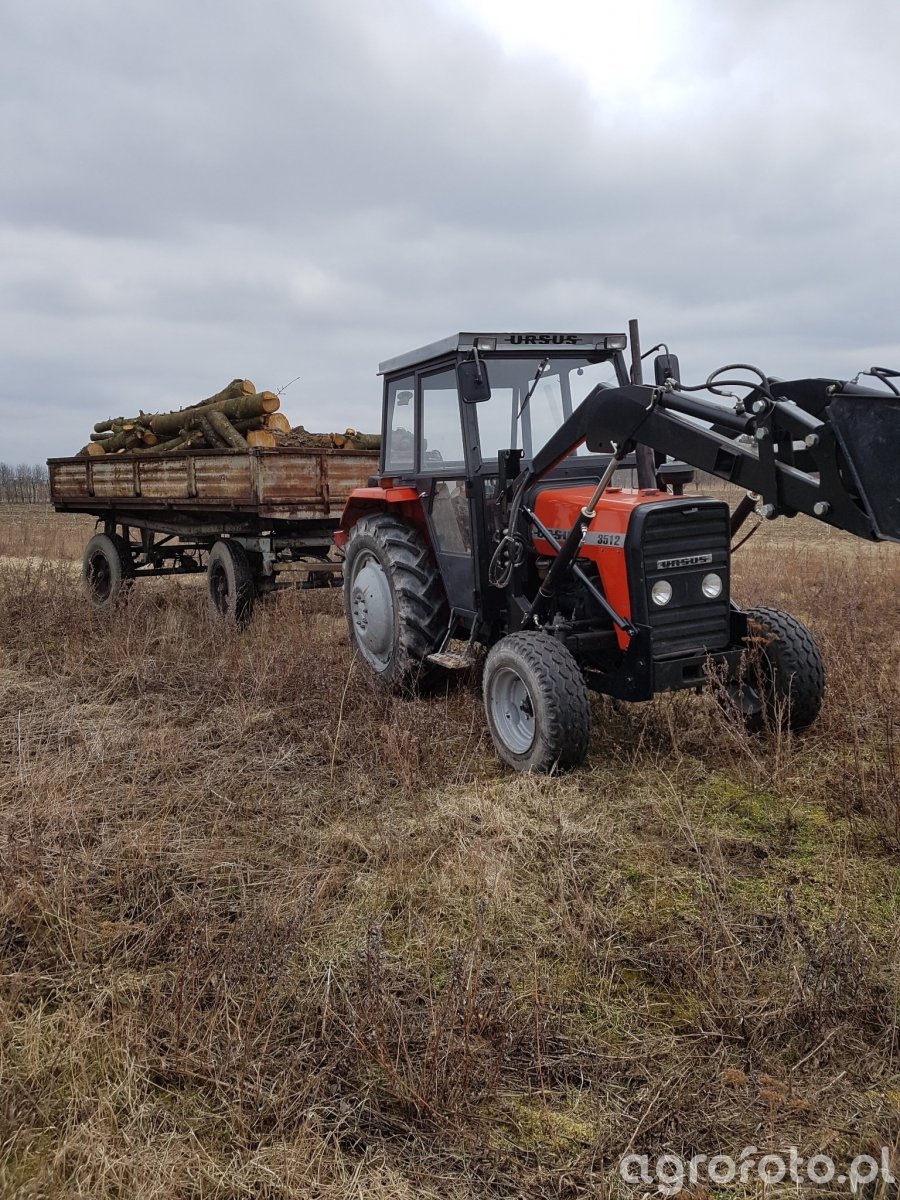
pixel 785 669
pixel 230 585
pixel 107 570
pixel 537 703
pixel 394 599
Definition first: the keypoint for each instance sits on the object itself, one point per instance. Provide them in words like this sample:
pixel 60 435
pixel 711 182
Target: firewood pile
pixel 350 439
pixel 237 418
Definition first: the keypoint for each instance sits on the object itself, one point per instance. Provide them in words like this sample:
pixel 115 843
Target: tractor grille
pixel 681 543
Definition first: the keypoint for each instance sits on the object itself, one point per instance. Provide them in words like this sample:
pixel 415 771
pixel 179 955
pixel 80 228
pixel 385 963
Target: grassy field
pixel 267 932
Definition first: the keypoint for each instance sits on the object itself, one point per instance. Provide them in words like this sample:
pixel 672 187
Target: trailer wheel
pixel 229 582
pixel 393 598
pixel 786 670
pixel 106 570
pixel 537 703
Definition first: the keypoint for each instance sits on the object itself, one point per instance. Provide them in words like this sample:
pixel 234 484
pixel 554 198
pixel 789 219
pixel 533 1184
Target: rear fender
pixel 400 501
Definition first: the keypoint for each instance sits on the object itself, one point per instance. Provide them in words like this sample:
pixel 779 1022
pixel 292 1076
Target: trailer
pixel 248 519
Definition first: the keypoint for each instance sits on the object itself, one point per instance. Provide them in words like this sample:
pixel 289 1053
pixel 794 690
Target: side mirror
pixel 474 385
pixel 665 367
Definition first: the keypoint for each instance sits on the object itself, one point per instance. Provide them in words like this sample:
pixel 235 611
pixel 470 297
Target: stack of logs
pixel 237 418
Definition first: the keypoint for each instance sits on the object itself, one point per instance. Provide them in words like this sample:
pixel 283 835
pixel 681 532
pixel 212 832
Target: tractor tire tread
pixel 798 671
pixel 421 602
pixel 242 585
pixel 118 555
pixel 565 703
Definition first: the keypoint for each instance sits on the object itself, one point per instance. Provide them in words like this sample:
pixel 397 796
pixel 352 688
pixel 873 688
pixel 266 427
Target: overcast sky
pixel 197 190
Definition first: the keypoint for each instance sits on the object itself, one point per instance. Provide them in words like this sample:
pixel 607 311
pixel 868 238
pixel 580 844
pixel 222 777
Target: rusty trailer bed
pixel 283 484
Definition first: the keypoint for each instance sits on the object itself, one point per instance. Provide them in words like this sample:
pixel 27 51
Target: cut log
pixel 120 441
pixel 271 402
pixel 207 429
pixel 91 450
pixel 237 387
pixel 362 441
pixel 257 405
pixel 117 426
pixel 124 435
pixel 278 423
pixel 224 428
pixel 352 439
pixel 259 439
pixel 201 420
pixel 191 439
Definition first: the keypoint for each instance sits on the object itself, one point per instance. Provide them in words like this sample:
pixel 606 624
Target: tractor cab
pixel 463 415
pixel 455 405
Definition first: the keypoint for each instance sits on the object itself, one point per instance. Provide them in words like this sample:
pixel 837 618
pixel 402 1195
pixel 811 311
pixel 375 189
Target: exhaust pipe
pixel 644 457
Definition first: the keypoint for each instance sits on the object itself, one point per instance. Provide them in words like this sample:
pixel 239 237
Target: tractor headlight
pixel 661 592
pixel 711 586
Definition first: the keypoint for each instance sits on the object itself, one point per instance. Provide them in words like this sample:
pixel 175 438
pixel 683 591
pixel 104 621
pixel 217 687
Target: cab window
pixel 564 382
pixel 442 443
pixel 400 443
pixel 543 415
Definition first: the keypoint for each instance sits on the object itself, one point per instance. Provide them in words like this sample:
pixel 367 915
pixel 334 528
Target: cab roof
pixel 520 343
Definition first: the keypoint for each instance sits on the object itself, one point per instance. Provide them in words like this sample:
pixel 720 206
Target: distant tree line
pixel 25 483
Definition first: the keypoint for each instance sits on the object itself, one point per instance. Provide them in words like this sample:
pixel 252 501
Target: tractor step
pixel 453 660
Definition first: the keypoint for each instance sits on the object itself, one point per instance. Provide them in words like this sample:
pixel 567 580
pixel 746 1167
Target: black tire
pixel 230 586
pixel 394 599
pixel 537 703
pixel 106 570
pixel 786 670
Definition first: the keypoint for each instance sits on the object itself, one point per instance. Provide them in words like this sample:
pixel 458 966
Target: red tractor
pixel 496 521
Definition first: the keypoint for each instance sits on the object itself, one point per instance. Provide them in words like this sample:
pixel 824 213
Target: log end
pixel 260 439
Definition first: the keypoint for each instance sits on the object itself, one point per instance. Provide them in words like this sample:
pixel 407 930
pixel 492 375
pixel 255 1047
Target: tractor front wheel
pixel 537 703
pixel 394 599
pixel 785 669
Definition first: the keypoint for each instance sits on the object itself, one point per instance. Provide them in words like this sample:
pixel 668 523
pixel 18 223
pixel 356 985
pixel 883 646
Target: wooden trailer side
pixel 287 483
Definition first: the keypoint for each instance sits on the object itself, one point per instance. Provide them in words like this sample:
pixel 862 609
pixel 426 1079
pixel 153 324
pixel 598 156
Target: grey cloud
pixel 300 188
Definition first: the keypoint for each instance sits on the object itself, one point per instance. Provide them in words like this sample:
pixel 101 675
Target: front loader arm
pixel 821 447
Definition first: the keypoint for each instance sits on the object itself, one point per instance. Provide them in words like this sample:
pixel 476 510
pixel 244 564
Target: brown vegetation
pixel 267 933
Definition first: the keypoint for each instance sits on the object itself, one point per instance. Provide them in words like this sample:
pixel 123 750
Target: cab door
pixel 442 474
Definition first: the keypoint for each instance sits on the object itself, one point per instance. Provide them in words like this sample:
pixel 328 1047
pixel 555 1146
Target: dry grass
pixel 35 531
pixel 266 933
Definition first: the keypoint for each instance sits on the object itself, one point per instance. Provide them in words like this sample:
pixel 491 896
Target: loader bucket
pixel 867 427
